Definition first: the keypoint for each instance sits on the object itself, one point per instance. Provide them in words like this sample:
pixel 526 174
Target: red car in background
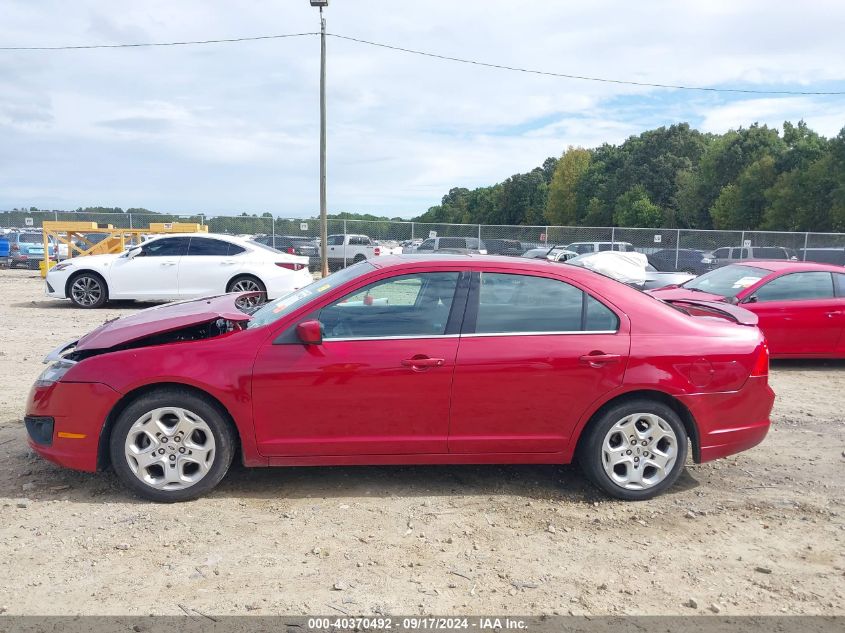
pixel 410 360
pixel 800 305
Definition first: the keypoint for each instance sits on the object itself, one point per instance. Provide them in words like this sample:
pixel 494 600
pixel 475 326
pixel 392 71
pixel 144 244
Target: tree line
pixel 674 177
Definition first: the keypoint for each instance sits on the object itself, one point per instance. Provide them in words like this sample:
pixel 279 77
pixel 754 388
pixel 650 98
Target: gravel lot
pixel 761 533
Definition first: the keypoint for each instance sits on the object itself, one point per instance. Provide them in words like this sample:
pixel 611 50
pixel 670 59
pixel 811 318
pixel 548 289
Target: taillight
pixel 376 251
pixel 289 250
pixel 761 365
pixel 290 266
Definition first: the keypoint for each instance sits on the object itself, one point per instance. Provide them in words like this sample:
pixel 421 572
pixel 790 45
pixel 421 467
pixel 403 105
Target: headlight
pixel 54 373
pixel 706 260
pixel 62 266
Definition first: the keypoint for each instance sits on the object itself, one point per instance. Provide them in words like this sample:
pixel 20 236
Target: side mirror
pixel 751 299
pixel 310 332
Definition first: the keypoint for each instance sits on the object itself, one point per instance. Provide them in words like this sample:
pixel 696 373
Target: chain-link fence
pixel 674 249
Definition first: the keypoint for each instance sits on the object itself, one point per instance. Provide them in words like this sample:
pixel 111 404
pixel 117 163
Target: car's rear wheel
pixel 87 290
pixel 248 283
pixel 359 258
pixel 172 445
pixel 634 450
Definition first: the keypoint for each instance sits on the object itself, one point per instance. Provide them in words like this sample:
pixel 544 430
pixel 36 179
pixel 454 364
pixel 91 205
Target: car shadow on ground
pixel 806 364
pixel 37 479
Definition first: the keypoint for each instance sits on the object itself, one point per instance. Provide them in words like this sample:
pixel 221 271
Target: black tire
pixel 232 286
pixel 225 442
pixel 359 258
pixel 591 451
pixel 94 280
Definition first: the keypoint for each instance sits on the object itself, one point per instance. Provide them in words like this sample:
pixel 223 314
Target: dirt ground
pixel 760 533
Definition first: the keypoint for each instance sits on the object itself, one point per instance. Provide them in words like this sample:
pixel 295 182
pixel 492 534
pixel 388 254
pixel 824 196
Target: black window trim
pixel 471 312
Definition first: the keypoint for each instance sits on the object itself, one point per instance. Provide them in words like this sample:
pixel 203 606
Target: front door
pixel 378 384
pixel 798 313
pixel 152 273
pixel 540 352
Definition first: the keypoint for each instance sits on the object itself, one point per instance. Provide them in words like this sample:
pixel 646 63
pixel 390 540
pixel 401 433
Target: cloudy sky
pixel 226 128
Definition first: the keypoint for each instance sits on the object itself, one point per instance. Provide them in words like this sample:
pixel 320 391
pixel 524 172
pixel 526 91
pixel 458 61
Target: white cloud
pixel 234 127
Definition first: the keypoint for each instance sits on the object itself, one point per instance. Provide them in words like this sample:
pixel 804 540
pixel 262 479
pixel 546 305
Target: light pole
pixel 324 229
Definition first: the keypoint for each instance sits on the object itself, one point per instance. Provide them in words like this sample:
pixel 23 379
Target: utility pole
pixel 324 229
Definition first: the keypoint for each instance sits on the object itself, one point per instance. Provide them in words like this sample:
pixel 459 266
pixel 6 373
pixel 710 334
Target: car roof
pixel 216 236
pixel 779 265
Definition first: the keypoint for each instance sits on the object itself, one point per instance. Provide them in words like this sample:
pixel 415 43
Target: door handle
pixel 168 263
pixel 423 363
pixel 598 359
pixel 833 314
pixel 228 262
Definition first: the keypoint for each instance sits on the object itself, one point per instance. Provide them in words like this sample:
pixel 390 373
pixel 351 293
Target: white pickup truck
pixel 351 249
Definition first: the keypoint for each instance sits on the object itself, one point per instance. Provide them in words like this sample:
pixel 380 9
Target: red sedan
pixel 800 305
pixel 410 360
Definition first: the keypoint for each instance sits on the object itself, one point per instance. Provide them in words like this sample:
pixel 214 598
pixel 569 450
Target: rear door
pixel 799 313
pixel 534 354
pixel 208 266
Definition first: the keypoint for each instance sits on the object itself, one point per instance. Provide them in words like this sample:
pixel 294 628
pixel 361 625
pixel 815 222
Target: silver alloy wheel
pixel 639 451
pixel 247 285
pixel 86 290
pixel 170 448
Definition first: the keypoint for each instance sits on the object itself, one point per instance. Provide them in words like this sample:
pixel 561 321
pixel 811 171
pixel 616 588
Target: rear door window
pixel 796 287
pixel 208 247
pixel 522 304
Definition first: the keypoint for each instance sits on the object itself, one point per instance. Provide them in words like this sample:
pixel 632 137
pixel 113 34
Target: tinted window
pixel 605 246
pixel 817 285
pixel 428 245
pixel 452 242
pixel 166 247
pixel 770 253
pixel 406 305
pixel 30 238
pixel 522 303
pixel 335 240
pixel 599 317
pixel 721 253
pixel 840 284
pixel 727 281
pixel 208 247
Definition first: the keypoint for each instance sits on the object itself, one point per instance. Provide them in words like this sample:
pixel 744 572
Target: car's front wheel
pixel 172 445
pixel 634 450
pixel 88 290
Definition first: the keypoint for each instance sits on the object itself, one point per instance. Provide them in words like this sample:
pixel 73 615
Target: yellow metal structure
pixel 79 237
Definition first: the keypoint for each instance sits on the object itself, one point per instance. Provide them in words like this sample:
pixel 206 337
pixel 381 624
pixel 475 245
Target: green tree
pixel 562 204
pixel 634 208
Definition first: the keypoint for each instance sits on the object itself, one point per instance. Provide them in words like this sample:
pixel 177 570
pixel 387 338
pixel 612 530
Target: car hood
pixel 683 293
pixel 161 319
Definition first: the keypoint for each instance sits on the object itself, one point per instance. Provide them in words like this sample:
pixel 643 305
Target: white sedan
pixel 180 266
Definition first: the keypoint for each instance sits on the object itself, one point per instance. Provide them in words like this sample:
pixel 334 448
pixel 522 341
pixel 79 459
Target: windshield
pixel 275 310
pixel 727 281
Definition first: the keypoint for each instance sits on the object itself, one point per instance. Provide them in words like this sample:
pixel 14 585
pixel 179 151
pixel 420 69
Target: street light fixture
pixel 324 231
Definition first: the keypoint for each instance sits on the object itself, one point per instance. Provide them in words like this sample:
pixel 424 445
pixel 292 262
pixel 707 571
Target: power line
pixel 579 77
pixel 460 60
pixel 151 44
